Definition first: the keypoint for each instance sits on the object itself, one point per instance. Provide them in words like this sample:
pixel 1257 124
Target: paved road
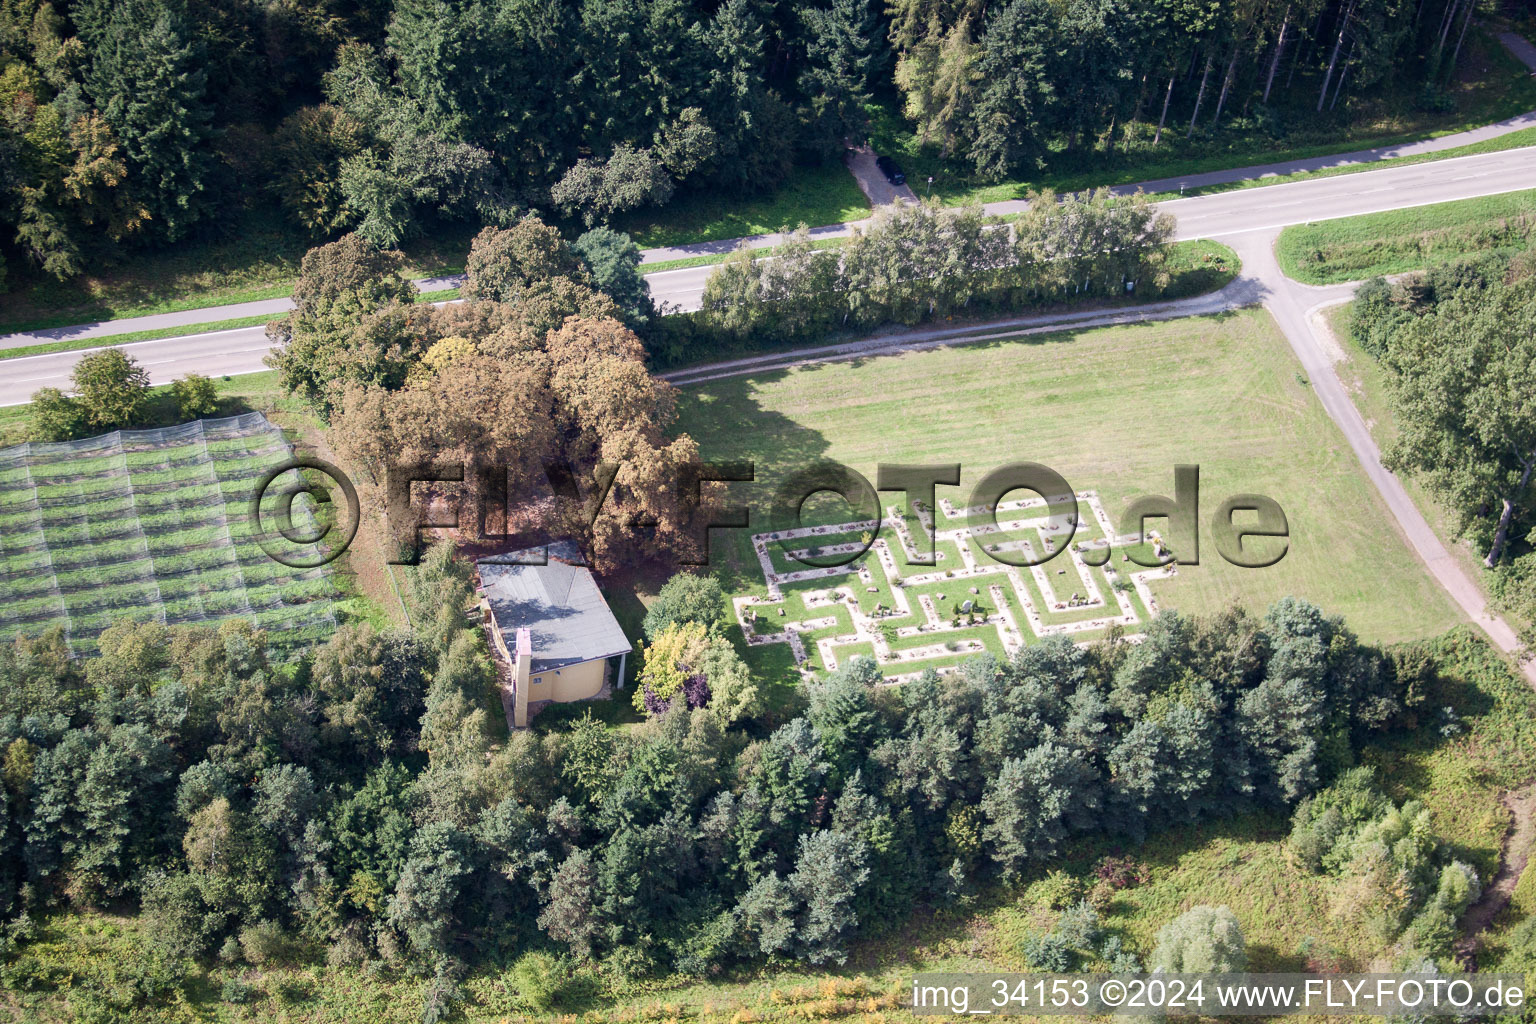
pixel 1520 47
pixel 1222 215
pixel 1294 306
pixel 273 308
pixel 879 192
pixel 874 185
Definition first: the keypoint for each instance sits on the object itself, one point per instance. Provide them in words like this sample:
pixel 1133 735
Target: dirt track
pixel 1496 896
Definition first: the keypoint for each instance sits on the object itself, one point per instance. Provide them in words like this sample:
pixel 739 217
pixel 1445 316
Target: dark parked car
pixel 892 172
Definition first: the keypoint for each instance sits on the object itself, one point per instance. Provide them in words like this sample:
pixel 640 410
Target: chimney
pixel 522 669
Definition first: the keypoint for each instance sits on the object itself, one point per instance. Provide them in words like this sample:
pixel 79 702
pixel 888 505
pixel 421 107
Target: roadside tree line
pixel 1459 346
pixel 916 262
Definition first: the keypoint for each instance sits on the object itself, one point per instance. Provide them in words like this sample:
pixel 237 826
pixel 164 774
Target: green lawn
pixel 812 195
pixel 1112 410
pixel 1355 248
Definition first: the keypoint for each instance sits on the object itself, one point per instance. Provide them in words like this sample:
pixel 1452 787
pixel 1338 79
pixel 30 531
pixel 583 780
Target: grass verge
pixel 248 392
pixel 258 258
pixel 812 195
pixel 1519 139
pixel 76 344
pixel 1397 241
pixel 1365 380
pixel 1492 86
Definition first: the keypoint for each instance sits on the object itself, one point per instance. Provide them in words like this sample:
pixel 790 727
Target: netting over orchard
pixel 150 525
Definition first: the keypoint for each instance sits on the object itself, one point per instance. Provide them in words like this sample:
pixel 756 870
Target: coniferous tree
pixel 147 74
pixel 843 57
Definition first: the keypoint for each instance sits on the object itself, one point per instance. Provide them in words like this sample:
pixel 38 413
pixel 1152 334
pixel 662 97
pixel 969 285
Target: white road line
pixel 1313 177
pixel 135 344
pixel 1343 216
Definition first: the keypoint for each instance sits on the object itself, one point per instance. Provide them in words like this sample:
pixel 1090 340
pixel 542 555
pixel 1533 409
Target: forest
pixel 134 125
pixel 361 806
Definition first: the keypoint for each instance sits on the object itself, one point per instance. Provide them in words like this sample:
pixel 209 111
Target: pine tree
pixel 1007 123
pixel 843 55
pixel 147 75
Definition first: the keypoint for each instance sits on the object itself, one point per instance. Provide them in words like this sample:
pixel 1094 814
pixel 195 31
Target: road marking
pixel 132 344
pixel 1314 178
pixel 1504 190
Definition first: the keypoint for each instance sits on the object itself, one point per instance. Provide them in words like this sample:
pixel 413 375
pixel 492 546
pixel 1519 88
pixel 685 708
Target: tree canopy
pixel 367 798
pixel 147 123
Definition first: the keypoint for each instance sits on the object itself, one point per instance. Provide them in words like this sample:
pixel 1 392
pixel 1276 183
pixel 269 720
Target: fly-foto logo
pixel 1249 530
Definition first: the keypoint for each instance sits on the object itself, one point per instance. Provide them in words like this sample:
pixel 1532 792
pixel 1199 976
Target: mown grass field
pixel 151 525
pixel 1112 410
pixel 1397 241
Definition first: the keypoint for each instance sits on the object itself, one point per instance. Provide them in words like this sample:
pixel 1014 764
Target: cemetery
pixel 889 603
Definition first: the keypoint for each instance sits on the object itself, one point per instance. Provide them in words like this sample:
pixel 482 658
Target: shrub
pixel 181 923
pixel 112 389
pixel 1201 940
pixel 266 943
pixel 1048 953
pixel 1079 925
pixel 686 597
pixel 536 978
pixel 1320 958
pixel 1058 890
pixel 1119 959
pixel 1521 946
pixel 1433 931
pixel 1378 311
pixel 195 396
pixel 58 417
pixel 235 990
pixel 439 999
pixel 1121 872
pixel 1459 887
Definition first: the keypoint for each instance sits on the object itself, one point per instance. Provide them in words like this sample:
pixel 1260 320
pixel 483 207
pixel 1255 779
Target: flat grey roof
pixel 559 605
